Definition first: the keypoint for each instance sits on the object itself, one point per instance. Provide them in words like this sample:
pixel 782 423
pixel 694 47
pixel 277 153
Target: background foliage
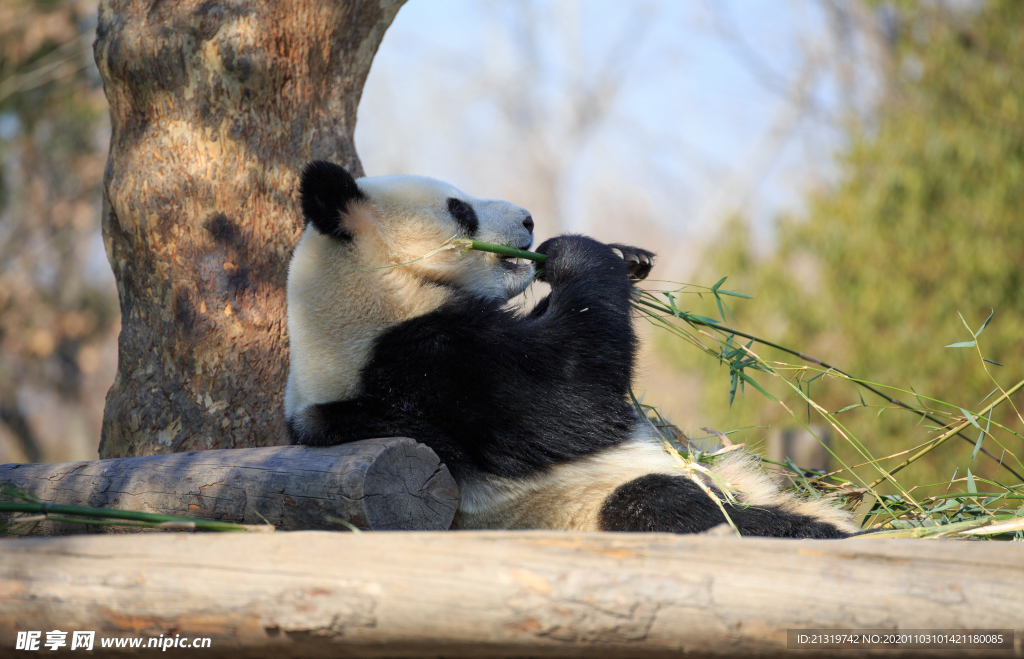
pixel 919 222
pixel 58 306
pixel 924 222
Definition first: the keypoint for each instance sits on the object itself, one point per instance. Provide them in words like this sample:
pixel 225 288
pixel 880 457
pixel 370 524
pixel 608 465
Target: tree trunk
pixel 376 484
pixel 506 594
pixel 215 106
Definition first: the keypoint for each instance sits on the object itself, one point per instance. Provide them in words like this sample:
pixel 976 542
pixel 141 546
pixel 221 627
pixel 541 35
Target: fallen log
pixel 377 484
pixel 501 594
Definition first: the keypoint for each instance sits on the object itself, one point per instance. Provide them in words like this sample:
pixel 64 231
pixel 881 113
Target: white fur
pixel 564 497
pixel 340 300
pixel 570 496
pixel 753 485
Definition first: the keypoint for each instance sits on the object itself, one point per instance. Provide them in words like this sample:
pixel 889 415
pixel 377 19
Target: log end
pixel 407 488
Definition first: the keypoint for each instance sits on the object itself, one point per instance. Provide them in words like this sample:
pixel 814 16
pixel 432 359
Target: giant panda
pixel 528 410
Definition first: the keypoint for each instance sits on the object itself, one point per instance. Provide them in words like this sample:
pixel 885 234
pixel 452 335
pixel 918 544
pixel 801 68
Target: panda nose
pixel 528 223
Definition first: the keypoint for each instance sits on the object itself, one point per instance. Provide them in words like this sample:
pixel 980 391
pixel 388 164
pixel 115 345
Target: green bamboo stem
pixel 895 401
pixel 951 433
pixel 971 495
pixel 104 522
pixel 131 516
pixel 540 258
pixel 930 531
pixel 498 249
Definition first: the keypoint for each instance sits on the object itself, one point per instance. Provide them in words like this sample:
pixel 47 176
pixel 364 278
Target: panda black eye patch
pixel 464 215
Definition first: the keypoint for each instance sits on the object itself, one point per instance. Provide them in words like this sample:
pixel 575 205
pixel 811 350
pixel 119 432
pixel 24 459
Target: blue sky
pixel 699 126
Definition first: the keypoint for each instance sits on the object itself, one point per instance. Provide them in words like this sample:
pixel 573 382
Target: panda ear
pixel 326 190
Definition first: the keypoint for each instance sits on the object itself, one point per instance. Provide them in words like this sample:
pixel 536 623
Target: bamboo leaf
pixel 719 283
pixel 8 490
pixel 701 320
pixel 970 417
pixel 985 324
pixel 727 309
pixel 718 301
pixel 977 445
pixel 981 436
pixel 971 487
pixel 722 291
pixel 847 408
pixel 963 344
pixel 755 385
pixel 989 394
pixel 951 503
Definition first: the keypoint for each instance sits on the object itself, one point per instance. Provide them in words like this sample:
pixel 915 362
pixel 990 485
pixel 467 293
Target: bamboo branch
pixel 132 517
pixel 951 433
pixel 502 250
pixel 540 258
pixel 813 360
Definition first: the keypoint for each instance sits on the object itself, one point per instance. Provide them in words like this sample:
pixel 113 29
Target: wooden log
pixel 378 484
pixel 503 594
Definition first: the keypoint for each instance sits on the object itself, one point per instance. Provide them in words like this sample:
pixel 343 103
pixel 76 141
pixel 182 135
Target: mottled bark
pixel 376 484
pixel 215 106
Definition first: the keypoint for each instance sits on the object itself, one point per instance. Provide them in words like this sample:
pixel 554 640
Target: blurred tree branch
pixel 57 313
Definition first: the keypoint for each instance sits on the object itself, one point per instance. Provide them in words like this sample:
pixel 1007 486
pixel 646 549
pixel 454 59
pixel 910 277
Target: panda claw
pixel 638 261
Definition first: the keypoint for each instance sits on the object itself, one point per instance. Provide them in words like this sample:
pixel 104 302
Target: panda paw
pixel 568 257
pixel 572 256
pixel 639 261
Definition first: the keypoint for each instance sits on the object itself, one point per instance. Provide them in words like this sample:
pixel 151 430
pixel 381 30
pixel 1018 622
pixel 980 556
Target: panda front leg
pixel 589 305
pixel 592 286
pixel 587 318
pixel 675 504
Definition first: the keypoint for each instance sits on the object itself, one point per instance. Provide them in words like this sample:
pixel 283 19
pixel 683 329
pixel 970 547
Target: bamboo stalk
pixel 950 433
pixel 154 519
pixel 503 250
pixel 540 258
pixel 660 306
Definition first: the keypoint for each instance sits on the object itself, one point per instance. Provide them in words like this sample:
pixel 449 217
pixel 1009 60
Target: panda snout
pixel 528 223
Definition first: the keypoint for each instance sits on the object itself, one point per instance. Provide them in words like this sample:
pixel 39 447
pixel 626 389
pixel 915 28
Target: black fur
pixel 661 502
pixel 326 190
pixel 464 215
pixel 492 391
pixel 455 379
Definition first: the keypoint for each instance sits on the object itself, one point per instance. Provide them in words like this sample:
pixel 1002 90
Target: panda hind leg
pixel 675 504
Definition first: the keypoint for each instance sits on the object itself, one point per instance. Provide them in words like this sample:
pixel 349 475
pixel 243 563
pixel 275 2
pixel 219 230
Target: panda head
pixel 390 220
pixel 358 271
